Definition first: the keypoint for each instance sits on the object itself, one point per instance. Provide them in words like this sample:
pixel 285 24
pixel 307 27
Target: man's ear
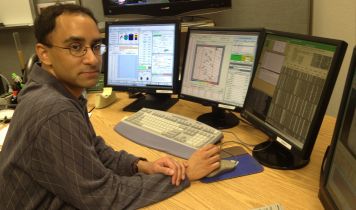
pixel 42 54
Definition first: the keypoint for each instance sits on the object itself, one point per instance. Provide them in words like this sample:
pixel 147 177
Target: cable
pixel 246 145
pixel 91 109
pixel 243 120
pixel 238 139
pixel 6 106
pixel 240 142
pixel 246 122
pixel 264 148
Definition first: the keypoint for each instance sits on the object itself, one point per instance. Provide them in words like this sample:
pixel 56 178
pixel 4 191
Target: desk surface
pixel 294 189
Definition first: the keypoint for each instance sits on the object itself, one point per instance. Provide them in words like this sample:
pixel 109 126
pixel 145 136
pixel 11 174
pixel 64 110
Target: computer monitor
pixel 218 65
pixel 289 94
pixel 337 180
pixel 143 56
pixel 163 7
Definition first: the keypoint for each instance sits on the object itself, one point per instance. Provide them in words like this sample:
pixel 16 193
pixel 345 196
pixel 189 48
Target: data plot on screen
pixel 143 57
pixel 217 71
pixel 207 66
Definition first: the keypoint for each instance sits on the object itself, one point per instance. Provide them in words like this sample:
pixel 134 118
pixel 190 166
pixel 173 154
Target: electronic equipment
pixel 104 99
pixel 143 56
pixel 289 94
pixel 163 8
pixel 218 66
pixel 337 179
pixel 168 132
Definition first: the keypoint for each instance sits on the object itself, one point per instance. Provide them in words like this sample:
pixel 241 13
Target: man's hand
pixel 203 161
pixel 164 165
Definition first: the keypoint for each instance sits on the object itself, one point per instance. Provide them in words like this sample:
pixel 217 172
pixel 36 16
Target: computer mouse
pixel 225 166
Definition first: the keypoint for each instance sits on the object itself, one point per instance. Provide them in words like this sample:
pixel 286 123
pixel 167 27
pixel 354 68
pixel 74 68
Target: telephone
pixel 104 99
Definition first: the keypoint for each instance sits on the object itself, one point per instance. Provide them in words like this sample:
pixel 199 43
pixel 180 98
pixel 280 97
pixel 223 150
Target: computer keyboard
pixel 168 132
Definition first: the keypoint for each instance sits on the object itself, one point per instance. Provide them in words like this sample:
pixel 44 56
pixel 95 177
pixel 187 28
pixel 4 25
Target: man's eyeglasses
pixel 79 50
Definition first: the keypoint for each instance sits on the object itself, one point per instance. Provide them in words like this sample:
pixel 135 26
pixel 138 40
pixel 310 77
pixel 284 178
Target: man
pixel 52 158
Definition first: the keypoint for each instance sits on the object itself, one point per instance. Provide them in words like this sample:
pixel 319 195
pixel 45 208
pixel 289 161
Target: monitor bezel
pixel 146 89
pixel 164 9
pixel 305 152
pixel 206 102
pixel 324 195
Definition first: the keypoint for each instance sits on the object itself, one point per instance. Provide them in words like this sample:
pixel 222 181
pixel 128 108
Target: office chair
pixel 28 67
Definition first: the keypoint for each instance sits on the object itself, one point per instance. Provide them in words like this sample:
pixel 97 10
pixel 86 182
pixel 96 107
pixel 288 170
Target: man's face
pixel 76 73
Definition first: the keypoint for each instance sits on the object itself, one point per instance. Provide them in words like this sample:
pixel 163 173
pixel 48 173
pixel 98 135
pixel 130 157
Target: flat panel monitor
pixel 338 174
pixel 218 65
pixel 143 56
pixel 162 7
pixel 289 94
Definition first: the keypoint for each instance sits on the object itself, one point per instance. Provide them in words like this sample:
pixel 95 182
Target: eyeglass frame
pixel 84 49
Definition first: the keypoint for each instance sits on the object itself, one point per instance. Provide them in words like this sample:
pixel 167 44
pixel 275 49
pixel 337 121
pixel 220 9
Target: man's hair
pixel 46 21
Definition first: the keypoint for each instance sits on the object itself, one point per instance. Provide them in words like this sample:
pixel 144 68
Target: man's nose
pixel 91 58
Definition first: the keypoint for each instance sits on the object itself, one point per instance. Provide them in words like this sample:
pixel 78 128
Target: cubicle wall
pixel 285 15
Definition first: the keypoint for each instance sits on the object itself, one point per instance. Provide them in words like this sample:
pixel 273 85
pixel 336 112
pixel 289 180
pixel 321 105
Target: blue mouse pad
pixel 247 165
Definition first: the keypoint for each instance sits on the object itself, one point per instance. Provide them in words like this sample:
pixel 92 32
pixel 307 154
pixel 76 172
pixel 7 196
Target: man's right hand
pixel 203 161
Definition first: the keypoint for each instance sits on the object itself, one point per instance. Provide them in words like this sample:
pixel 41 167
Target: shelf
pixel 196 23
pixel 16 26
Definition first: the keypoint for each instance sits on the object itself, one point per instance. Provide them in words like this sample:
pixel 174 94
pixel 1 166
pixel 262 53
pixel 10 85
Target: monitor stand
pixel 219 118
pixel 274 155
pixel 153 101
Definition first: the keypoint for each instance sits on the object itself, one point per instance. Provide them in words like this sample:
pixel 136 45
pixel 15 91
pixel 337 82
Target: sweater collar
pixel 41 76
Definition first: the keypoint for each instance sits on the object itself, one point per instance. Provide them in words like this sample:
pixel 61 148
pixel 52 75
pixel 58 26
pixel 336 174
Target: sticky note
pixel 107 91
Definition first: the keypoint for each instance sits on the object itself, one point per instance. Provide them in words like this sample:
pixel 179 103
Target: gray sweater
pixel 52 158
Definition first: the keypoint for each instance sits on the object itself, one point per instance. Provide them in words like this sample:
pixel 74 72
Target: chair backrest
pixel 28 67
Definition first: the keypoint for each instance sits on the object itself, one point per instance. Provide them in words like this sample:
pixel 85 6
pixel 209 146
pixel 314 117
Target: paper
pixel 107 91
pixel 3 132
pixel 15 12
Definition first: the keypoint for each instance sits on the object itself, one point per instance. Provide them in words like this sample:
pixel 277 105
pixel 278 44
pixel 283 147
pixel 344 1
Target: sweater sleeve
pixel 67 163
pixel 118 161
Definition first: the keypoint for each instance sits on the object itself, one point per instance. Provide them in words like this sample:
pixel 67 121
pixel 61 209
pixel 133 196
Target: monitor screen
pixel 289 94
pixel 162 7
pixel 337 186
pixel 143 57
pixel 218 65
